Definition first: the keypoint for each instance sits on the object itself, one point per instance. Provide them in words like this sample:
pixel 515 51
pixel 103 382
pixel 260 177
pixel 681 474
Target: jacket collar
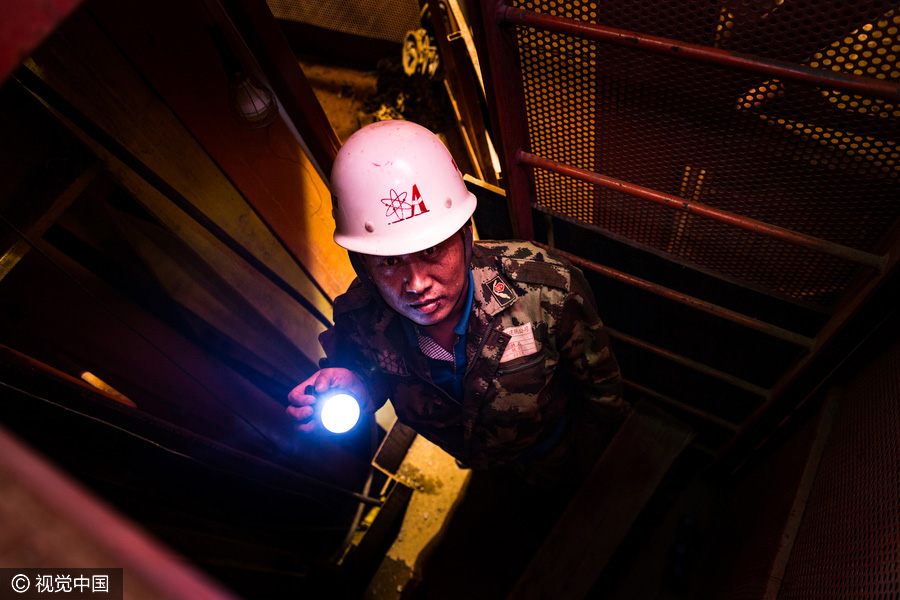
pixel 492 292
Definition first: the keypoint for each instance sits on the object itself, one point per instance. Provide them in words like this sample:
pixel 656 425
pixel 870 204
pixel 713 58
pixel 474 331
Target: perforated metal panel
pixel 820 162
pixel 848 545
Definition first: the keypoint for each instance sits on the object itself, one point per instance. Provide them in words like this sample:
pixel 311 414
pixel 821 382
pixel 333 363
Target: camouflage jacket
pixel 535 350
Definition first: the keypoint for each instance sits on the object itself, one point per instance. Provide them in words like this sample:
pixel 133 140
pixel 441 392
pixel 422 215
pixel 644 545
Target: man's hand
pixel 304 396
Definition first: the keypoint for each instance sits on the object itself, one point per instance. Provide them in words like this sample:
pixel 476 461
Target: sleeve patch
pixel 501 291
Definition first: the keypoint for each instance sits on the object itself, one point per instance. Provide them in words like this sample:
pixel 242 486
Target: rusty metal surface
pixel 821 162
pixel 504 79
pixel 847 544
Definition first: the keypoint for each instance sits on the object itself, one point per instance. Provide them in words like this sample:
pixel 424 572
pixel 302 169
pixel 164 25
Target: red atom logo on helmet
pixel 397 205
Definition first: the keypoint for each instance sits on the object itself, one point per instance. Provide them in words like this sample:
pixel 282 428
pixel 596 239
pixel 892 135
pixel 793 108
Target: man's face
pixel 425 286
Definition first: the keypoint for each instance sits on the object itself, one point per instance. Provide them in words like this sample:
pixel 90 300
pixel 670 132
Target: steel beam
pixel 45 94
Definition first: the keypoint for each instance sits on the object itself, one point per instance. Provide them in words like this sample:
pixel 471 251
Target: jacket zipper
pixel 522 366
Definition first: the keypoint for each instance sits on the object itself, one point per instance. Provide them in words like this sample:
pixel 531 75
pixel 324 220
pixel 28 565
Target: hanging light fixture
pixel 252 103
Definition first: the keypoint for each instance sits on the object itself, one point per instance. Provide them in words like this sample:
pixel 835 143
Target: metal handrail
pixel 700 414
pixel 878 88
pixel 719 311
pixel 696 208
pixel 688 362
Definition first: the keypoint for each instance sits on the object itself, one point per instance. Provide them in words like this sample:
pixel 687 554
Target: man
pixel 491 350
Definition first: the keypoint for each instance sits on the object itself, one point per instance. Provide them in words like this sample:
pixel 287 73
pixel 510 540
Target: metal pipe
pixel 687 362
pixel 703 210
pixel 877 88
pixel 680 405
pixel 719 311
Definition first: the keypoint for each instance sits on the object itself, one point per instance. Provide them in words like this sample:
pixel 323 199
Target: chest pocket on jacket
pixel 523 363
pixel 526 374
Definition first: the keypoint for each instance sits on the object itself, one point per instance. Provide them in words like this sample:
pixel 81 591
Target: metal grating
pixel 848 545
pixel 816 161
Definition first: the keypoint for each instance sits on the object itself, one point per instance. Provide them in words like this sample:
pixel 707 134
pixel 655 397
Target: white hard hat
pixel 396 190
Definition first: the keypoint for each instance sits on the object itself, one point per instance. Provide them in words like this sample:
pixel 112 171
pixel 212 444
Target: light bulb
pixel 339 413
pixel 252 103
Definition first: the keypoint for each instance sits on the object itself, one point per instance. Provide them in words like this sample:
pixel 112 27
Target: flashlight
pixel 339 412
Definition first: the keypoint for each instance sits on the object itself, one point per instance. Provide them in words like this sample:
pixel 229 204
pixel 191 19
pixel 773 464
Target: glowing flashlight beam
pixel 340 413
